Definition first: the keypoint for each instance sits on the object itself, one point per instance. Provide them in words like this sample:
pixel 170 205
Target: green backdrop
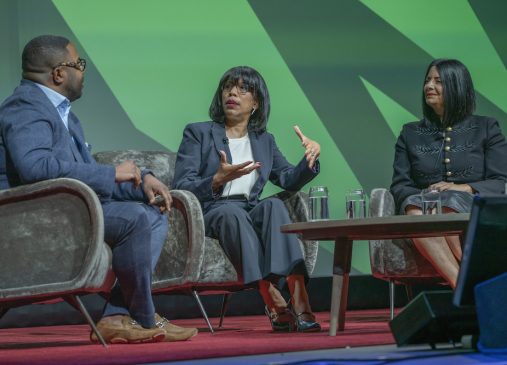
pixel 349 73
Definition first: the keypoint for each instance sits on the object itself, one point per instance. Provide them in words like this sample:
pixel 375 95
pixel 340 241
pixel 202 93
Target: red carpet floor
pixel 240 336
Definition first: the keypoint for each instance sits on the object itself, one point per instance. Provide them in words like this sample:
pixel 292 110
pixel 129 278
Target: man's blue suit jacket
pixel 198 160
pixel 35 145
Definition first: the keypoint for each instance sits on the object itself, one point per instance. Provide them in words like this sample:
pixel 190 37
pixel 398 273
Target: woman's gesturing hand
pixel 227 172
pixel 312 148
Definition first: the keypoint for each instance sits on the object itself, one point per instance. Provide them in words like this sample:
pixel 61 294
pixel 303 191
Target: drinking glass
pixel 318 197
pixel 430 201
pixel 355 204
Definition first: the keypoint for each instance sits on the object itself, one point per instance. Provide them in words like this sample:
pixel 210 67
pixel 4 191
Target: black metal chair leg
pixel 391 298
pixel 203 311
pixel 76 302
pixel 225 301
pixel 408 290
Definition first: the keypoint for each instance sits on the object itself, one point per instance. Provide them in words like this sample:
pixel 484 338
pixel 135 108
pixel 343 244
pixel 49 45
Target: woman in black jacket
pixel 450 150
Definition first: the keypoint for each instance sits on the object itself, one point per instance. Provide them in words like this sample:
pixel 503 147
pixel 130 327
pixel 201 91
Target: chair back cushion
pixel 394 258
pixel 161 163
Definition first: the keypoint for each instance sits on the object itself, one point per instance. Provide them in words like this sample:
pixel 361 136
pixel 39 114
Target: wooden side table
pixel 344 232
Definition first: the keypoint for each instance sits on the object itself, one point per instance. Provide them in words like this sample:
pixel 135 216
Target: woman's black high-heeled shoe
pixel 279 325
pixel 303 325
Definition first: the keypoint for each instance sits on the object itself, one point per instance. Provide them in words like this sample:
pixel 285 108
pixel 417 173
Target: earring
pixel 253 111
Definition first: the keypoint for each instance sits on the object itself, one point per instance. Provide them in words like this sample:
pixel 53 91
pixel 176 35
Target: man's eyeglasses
pixel 242 89
pixel 79 65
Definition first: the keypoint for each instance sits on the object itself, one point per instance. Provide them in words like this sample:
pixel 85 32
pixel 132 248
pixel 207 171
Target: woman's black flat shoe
pixel 279 325
pixel 304 325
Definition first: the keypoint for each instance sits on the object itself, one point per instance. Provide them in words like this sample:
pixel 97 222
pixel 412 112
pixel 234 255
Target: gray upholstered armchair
pixel 397 261
pixel 52 245
pixel 190 262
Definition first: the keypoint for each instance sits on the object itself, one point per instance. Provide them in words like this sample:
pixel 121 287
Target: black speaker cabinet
pixel 432 318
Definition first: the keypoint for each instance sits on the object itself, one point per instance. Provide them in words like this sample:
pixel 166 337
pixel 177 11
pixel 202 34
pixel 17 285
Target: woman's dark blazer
pixel 473 151
pixel 198 160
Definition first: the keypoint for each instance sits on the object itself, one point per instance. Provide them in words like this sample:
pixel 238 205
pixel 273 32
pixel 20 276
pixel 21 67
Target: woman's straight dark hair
pixel 255 84
pixel 458 92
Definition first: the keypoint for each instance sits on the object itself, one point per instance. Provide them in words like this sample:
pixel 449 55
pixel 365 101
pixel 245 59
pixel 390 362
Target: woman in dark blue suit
pixel 216 162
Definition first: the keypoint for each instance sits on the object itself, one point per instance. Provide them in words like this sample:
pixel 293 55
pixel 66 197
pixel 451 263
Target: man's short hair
pixel 43 53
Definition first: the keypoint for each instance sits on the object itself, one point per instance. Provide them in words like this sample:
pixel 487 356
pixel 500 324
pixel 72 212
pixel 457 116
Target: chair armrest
pixel 52 241
pixel 186 228
pixel 297 205
pixel 381 203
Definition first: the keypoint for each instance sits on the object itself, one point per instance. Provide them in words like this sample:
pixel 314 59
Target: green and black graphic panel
pixel 361 65
pixel 162 61
pixel 349 73
pixel 106 123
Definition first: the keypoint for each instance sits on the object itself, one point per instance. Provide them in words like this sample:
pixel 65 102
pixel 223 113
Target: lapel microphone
pixel 225 140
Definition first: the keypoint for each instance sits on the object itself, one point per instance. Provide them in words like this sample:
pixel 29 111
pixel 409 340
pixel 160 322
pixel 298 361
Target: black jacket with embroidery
pixel 473 151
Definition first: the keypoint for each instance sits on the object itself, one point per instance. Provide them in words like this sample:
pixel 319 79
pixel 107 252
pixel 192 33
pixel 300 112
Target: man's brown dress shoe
pixel 123 329
pixel 173 332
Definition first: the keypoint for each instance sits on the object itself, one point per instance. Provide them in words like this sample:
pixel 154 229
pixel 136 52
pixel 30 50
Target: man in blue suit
pixel 40 139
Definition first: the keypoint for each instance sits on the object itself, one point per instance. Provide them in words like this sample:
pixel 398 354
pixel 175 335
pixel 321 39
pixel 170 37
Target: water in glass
pixel 355 204
pixel 318 199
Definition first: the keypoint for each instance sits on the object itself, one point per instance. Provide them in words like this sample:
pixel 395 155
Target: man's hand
pixel 312 148
pixel 227 172
pixel 445 185
pixel 128 171
pixel 153 187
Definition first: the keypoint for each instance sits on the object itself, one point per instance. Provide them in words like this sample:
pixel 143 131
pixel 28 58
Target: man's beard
pixel 74 93
pixel 74 87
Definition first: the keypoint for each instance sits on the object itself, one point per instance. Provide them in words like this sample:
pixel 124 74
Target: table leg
pixel 336 304
pixel 339 295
